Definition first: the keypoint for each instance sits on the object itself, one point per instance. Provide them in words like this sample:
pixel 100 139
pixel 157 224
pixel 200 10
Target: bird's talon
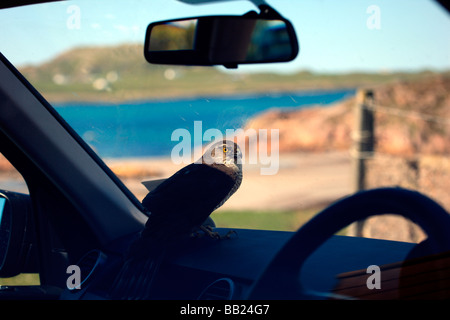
pixel 216 235
pixel 209 232
pixel 229 233
pixel 195 234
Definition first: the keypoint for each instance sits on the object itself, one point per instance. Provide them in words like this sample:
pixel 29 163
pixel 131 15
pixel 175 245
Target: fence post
pixel 363 143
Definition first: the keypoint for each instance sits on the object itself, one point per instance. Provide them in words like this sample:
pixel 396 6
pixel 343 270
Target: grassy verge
pixel 23 279
pixel 266 220
pixel 262 220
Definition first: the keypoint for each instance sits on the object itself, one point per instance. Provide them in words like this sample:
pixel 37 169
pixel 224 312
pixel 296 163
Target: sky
pixel 335 36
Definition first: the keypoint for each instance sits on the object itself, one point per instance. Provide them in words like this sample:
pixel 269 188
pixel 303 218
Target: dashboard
pixel 209 269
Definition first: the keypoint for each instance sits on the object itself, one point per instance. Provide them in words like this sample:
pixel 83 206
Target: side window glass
pixel 10 178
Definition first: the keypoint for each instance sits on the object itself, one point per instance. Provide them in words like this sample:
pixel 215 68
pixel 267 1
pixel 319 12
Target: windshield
pixel 295 122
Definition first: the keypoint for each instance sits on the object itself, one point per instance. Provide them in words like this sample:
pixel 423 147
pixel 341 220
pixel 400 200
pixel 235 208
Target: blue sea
pixel 144 128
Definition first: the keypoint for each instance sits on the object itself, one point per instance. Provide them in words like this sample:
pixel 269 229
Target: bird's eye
pixel 225 149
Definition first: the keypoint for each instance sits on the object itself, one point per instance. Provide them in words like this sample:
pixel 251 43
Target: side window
pixel 11 180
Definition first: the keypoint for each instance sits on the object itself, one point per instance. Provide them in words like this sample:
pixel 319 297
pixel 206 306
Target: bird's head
pixel 224 152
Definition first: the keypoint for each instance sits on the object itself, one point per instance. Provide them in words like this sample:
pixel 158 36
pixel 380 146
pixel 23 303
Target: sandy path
pixel 304 180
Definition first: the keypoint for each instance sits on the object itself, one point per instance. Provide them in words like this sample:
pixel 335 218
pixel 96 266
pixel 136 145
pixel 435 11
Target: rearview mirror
pixel 221 40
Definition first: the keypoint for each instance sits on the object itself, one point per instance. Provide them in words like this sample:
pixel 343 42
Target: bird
pixel 184 201
pixel 176 207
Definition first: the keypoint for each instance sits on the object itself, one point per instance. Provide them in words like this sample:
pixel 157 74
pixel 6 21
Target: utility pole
pixel 363 143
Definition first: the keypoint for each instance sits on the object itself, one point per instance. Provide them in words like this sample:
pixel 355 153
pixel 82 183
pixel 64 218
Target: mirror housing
pixel 17 239
pixel 222 40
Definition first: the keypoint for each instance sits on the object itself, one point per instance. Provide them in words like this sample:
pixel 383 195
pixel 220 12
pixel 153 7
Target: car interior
pixel 76 211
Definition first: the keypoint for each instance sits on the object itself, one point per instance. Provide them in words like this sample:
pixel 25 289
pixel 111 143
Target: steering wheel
pixel 280 279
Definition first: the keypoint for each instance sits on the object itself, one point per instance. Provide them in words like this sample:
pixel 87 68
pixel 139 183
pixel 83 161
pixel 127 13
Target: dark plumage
pixel 186 199
pixel 177 206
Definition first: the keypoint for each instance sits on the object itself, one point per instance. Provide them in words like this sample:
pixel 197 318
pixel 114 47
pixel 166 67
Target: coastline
pixel 304 180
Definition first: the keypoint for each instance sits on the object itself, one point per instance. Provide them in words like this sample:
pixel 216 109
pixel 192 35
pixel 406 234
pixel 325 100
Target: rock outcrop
pixel 410 118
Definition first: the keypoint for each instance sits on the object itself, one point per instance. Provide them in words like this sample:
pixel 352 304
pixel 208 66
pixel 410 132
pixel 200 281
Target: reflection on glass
pixel 176 35
pixel 270 41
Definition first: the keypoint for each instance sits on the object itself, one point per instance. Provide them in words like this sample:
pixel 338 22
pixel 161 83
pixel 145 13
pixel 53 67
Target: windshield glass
pixel 295 122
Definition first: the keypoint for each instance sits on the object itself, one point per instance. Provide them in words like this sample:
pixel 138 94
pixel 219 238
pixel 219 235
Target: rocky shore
pixel 410 118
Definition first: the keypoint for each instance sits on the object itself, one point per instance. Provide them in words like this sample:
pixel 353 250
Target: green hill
pixel 121 73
